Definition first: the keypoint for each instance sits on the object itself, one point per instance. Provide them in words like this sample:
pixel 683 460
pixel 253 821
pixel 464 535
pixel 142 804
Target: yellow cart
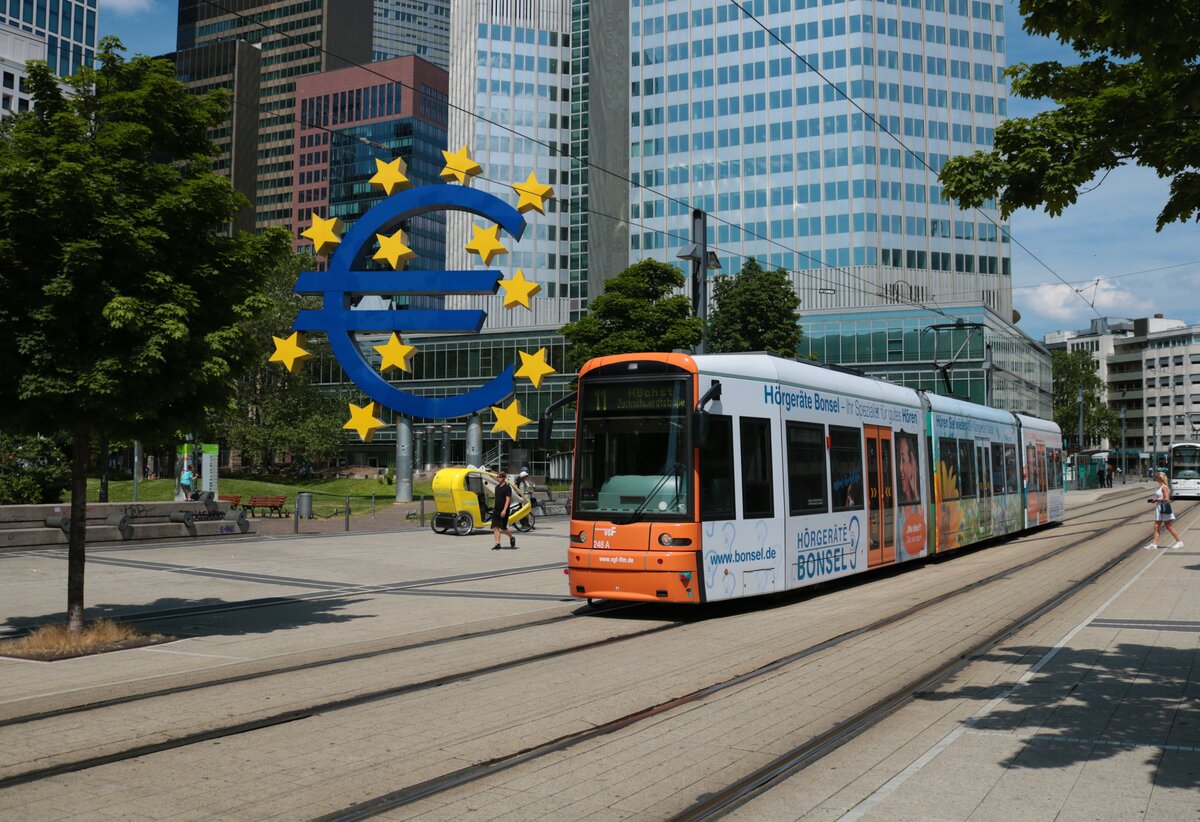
pixel 464 499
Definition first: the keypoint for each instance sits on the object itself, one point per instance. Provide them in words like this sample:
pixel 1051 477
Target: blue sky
pixel 1107 235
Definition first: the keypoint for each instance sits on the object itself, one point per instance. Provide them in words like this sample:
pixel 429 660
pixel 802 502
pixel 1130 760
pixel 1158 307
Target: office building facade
pixel 16 49
pixel 67 29
pixel 417 27
pixel 295 38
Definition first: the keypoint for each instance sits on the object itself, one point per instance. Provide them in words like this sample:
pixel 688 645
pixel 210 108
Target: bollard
pixel 347 512
pixel 121 523
pixel 422 510
pixel 295 519
pixel 372 505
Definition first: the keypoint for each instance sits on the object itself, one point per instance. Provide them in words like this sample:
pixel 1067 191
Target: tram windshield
pixel 632 456
pixel 1185 462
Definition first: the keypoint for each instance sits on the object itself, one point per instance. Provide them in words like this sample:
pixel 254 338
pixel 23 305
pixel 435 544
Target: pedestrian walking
pixel 500 512
pixel 1108 477
pixel 1163 515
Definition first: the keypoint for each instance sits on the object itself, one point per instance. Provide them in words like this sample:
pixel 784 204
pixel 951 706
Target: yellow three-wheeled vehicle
pixel 465 498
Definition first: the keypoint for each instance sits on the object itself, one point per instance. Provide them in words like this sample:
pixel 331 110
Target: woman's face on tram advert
pixel 910 486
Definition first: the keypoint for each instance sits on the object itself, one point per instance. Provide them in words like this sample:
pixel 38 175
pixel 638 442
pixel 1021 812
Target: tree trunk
pixel 103 469
pixel 77 537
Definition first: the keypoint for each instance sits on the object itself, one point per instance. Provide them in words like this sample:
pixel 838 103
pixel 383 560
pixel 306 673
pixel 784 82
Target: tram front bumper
pixel 639 576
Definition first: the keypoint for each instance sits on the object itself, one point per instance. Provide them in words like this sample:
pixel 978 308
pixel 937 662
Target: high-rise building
pixel 236 66
pixel 351 117
pixel 66 27
pixel 417 27
pixel 294 38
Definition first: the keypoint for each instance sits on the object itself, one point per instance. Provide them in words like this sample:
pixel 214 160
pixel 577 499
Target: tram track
pixel 598 609
pixel 449 781
pixel 798 757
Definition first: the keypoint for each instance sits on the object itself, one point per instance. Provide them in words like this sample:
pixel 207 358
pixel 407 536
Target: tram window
pixel 1011 474
pixel 716 470
pixel 998 484
pixel 966 467
pixel 806 469
pixel 757 497
pixel 846 454
pixel 948 457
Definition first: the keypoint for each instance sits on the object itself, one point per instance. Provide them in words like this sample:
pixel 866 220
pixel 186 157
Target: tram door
pixel 881 497
pixel 983 474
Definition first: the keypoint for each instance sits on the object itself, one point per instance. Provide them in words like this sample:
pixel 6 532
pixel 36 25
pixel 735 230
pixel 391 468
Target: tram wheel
pixel 463 524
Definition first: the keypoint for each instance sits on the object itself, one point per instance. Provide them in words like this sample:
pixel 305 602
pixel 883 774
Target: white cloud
pixel 1108 232
pixel 126 6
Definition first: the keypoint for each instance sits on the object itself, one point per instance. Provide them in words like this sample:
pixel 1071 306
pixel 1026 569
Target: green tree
pixel 1134 96
pixel 124 306
pixel 1073 371
pixel 271 410
pixel 754 310
pixel 34 470
pixel 636 312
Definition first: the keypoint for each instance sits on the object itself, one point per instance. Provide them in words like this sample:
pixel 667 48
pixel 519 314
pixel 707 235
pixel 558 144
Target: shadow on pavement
pixel 1090 705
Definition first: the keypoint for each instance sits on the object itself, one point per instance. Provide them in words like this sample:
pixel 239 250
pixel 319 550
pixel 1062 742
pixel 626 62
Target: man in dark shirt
pixel 500 512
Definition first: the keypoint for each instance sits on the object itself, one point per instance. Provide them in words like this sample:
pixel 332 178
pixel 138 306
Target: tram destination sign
pixel 660 395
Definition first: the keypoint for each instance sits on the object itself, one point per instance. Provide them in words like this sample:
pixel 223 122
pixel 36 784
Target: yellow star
pixel 518 290
pixel 533 194
pixel 393 249
pixel 364 421
pixel 396 354
pixel 290 352
pixel 390 176
pixel 486 243
pixel 325 234
pixel 460 166
pixel 534 367
pixel 509 420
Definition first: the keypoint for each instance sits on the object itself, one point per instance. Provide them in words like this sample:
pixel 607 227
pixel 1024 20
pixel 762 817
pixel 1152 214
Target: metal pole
pixel 987 375
pixel 137 467
pixel 700 269
pixel 1124 467
pixel 347 512
pixel 1079 437
pixel 296 518
pixel 430 444
pixel 446 445
pixel 404 459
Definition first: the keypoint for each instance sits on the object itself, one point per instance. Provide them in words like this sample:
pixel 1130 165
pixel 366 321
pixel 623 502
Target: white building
pixel 16 49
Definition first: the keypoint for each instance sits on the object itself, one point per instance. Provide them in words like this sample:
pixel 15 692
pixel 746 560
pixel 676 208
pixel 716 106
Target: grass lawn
pixel 327 494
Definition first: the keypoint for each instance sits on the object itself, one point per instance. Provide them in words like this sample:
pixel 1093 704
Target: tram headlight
pixel 668 541
pixel 580 538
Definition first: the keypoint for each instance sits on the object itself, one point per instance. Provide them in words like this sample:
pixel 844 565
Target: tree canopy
pixel 636 312
pixel 1072 371
pixel 273 410
pixel 754 310
pixel 1133 97
pixel 125 307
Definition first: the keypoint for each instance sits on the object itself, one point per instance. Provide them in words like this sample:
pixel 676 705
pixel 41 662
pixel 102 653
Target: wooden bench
pixel 234 500
pixel 268 504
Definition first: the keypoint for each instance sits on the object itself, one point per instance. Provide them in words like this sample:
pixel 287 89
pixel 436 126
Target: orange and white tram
pixel 712 477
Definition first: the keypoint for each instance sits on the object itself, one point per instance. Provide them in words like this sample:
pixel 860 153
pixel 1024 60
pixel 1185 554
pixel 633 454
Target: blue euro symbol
pixel 339 284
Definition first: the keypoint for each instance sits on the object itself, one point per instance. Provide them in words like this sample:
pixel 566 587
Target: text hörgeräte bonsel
pixel 790 398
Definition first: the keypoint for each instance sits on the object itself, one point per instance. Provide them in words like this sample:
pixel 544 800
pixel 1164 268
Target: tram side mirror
pixel 700 429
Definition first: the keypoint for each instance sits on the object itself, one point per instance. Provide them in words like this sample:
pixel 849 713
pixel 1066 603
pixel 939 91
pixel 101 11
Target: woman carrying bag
pixel 1162 512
